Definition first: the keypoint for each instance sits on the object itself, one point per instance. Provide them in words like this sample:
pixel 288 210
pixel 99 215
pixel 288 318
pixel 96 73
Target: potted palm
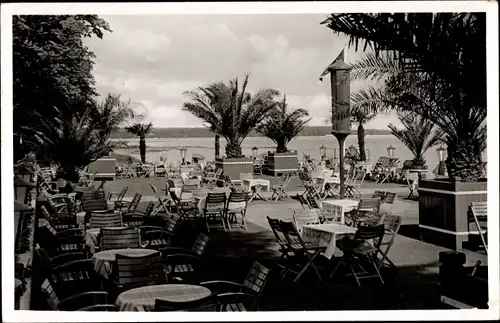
pixel 231 112
pixel 281 126
pixel 436 69
pixel 141 130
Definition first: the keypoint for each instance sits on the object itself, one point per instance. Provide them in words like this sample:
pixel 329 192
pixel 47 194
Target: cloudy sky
pixel 152 60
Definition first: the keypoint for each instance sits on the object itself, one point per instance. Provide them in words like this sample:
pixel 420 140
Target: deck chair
pixel 279 190
pixel 362 249
pixel 119 238
pixel 212 177
pixel 392 223
pixel 412 181
pixel 353 188
pixel 251 289
pixel 478 214
pixel 237 202
pixel 215 210
pixel 304 252
pixel 303 217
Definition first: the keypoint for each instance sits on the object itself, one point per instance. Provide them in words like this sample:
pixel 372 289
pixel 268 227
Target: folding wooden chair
pixel 412 181
pixel 279 190
pixel 212 177
pixel 162 202
pixel 303 251
pixel 389 199
pixel 119 238
pixel 303 217
pixel 215 210
pixel 187 208
pixel 132 205
pixel 286 252
pixel 230 295
pixel 353 189
pixel 478 214
pixel 237 203
pixel 105 220
pixel 119 199
pixel 364 247
pixel 392 223
pixel 61 222
pixel 310 189
pixel 129 171
pixel 367 211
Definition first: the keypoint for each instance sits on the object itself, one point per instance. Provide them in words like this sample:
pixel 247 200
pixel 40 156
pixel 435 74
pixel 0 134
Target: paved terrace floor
pixel 413 285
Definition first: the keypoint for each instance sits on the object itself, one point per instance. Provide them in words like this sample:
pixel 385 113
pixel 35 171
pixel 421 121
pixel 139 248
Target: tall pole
pixel 340 76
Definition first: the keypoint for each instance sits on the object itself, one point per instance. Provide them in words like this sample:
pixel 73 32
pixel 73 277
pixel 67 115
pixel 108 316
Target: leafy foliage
pixel 418 134
pixel 282 125
pixel 141 130
pixel 52 67
pixel 434 66
pixel 230 111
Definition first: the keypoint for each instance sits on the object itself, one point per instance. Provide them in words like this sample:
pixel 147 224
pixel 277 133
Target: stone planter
pixel 443 207
pixel 281 163
pixel 233 167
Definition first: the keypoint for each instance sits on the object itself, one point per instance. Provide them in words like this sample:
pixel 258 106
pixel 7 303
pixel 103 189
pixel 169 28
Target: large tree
pixel 141 130
pixel 52 68
pixel 282 125
pixel 442 58
pixel 230 110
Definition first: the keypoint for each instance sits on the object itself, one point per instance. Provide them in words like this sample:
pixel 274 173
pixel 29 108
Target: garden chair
pixel 129 171
pixel 389 199
pixel 57 243
pixel 162 202
pixel 75 302
pixel 105 220
pixel 392 223
pixel 353 188
pixel 412 181
pixel 212 177
pixel 279 190
pixel 138 271
pixel 367 211
pixel 119 238
pixel 478 214
pixel 187 209
pixel 47 263
pixel 236 203
pixel 205 304
pixel 230 295
pixel 214 209
pixel 156 237
pixel 119 200
pixel 61 222
pixel 94 201
pixel 287 254
pixel 45 180
pixel 310 189
pixel 77 276
pixel 363 248
pixel 303 250
pixel 132 205
pixel 304 217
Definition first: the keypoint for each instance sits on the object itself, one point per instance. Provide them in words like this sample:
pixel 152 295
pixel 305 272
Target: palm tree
pixel 282 125
pixel 418 134
pixel 446 53
pixel 230 111
pixel 141 130
pixel 361 117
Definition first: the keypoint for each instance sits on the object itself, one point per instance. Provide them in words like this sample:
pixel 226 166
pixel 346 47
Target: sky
pixel 152 60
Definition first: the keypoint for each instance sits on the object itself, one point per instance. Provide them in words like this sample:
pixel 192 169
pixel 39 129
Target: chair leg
pixel 378 272
pixel 355 276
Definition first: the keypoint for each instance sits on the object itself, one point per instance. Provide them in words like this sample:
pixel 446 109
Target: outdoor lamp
pixel 183 155
pixel 441 151
pixel 322 150
pixel 391 151
pixel 254 152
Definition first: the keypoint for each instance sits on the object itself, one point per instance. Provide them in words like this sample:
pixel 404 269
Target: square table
pixel 257 183
pixel 326 235
pixel 339 207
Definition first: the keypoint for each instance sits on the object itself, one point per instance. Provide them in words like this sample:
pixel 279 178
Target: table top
pixel 146 296
pixel 331 228
pixel 110 255
pixel 257 181
pixel 345 202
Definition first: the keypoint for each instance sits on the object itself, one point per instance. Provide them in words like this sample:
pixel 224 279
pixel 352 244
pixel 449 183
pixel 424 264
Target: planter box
pixel 281 163
pixel 233 167
pixel 443 207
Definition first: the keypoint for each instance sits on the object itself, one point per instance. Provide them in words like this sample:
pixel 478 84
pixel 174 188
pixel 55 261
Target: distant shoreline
pixel 206 133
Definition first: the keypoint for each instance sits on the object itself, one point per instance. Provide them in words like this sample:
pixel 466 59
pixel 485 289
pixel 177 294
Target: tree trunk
pixel 217 145
pixel 464 161
pixel 233 150
pixel 142 149
pixel 418 162
pixel 361 142
pixel 281 148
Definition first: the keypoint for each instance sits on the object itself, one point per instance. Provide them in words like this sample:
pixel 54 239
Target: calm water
pixel 376 144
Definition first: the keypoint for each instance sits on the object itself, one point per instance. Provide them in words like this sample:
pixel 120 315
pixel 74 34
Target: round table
pixel 143 298
pixel 102 260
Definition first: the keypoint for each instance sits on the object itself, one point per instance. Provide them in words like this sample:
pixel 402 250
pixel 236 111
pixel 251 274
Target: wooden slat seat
pixel 119 238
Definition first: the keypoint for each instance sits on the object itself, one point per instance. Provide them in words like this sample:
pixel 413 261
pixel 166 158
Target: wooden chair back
pixel 120 238
pixel 137 271
pixel 52 299
pixel 369 205
pixel 105 220
pixel 278 233
pixel 122 194
pixel 373 233
pixel 173 223
pixel 94 200
pixel 256 278
pixel 200 244
pixel 215 202
pixel 135 202
pixel 149 209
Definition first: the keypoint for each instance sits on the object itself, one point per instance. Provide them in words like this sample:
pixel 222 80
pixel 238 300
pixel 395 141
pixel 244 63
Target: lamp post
pixel 340 82
pixel 255 150
pixel 441 152
pixel 391 151
pixel 183 155
pixel 322 151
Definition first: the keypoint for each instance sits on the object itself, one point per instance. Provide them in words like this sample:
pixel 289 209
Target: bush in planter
pixel 230 111
pixel 282 125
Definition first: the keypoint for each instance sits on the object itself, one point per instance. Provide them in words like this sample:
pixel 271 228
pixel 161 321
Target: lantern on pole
pixel 391 151
pixel 340 78
pixel 255 150
pixel 322 151
pixel 183 155
pixel 441 152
